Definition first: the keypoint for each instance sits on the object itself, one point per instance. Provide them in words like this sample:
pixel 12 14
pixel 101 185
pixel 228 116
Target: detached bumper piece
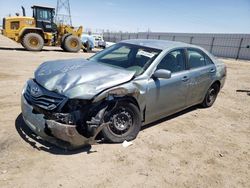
pixel 68 133
pixel 62 135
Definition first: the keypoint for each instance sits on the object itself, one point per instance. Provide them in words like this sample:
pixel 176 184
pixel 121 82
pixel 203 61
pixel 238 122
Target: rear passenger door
pixel 202 71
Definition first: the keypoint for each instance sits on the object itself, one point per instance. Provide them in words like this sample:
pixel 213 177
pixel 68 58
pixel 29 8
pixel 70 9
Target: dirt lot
pixel 195 148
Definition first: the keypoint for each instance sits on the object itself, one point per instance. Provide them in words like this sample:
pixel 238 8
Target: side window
pixel 208 60
pixel 173 61
pixel 195 59
pixel 14 25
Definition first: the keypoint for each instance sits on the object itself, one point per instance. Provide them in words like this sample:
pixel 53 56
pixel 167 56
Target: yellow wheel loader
pixel 40 30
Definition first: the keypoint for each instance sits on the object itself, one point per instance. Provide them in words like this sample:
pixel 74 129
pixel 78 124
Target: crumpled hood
pixel 79 78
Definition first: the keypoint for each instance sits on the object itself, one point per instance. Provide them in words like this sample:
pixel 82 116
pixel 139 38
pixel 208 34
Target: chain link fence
pixel 222 45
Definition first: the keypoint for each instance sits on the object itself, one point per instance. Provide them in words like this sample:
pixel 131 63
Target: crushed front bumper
pixel 62 135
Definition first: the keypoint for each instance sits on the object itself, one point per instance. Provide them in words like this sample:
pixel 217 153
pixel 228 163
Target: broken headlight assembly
pixel 75 104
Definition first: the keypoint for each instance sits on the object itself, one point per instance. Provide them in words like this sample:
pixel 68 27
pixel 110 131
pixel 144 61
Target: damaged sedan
pixel 116 91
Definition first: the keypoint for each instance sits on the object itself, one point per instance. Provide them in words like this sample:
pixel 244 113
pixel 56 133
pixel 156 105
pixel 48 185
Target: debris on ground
pixel 126 144
pixel 4 171
pixel 244 91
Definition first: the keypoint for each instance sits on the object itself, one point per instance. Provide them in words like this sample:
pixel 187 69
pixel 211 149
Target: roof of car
pixel 158 44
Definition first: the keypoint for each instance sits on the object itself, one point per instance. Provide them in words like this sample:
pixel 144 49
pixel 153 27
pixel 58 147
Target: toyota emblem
pixel 35 91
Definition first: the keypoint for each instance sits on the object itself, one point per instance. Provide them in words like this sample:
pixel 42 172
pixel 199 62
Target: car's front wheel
pixel 125 123
pixel 211 95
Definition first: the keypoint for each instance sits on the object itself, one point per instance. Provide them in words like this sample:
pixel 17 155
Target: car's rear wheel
pixel 125 123
pixel 211 95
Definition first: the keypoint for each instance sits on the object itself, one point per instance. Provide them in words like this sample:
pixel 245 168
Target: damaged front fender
pixel 134 90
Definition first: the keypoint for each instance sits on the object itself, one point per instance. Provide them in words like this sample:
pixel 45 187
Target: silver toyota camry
pixel 118 90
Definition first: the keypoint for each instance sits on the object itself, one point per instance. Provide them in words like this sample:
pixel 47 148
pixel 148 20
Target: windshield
pixel 44 14
pixel 127 56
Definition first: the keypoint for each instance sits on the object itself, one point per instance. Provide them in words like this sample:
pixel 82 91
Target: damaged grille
pixel 43 98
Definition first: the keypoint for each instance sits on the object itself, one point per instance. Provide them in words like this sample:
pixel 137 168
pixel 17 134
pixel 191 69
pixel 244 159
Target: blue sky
pixel 202 16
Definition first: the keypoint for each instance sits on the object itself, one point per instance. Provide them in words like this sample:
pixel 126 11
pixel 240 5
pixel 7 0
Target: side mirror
pixel 162 73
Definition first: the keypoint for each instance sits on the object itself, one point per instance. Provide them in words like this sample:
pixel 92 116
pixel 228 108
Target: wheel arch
pixel 128 99
pixel 216 82
pixel 65 36
pixel 31 30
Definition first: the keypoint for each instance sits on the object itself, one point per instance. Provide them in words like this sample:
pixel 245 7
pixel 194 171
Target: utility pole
pixel 63 15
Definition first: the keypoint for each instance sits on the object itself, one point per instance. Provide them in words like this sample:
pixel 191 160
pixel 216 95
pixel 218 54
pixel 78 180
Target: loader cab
pixel 44 17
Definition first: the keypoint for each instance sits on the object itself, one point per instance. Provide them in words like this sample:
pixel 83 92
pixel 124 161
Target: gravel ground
pixel 194 148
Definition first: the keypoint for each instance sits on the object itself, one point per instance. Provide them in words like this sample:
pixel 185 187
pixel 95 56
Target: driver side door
pixel 167 96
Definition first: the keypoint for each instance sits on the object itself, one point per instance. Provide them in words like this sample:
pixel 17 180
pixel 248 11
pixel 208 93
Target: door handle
pixel 185 78
pixel 212 70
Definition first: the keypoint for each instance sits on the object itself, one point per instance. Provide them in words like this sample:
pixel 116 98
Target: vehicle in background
pixel 41 30
pixel 99 41
pixel 88 42
pixel 108 44
pixel 119 89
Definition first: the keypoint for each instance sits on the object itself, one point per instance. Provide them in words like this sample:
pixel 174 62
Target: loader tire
pixel 33 42
pixel 72 44
pixel 63 41
pixel 63 45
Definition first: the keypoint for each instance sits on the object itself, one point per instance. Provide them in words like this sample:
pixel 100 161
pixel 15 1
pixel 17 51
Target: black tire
pixel 62 45
pixel 63 41
pixel 87 47
pixel 72 44
pixel 33 42
pixel 22 43
pixel 211 96
pixel 125 123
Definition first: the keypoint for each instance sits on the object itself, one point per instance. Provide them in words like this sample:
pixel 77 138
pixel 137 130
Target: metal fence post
pixel 212 45
pixel 238 53
pixel 191 39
